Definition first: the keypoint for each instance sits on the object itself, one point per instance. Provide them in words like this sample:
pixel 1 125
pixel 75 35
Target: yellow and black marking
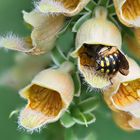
pixel 108 64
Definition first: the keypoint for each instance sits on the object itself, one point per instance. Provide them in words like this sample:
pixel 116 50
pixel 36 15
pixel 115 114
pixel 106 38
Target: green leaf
pixel 88 105
pixel 81 21
pixel 66 120
pixel 91 5
pixel 111 9
pixel 103 2
pixel 82 118
pixel 77 83
pixel 57 56
pixel 127 30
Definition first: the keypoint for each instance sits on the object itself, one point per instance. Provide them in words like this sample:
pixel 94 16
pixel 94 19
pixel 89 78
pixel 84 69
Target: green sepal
pixel 127 30
pixel 103 3
pixel 65 27
pixel 80 21
pixel 66 120
pixel 82 118
pixel 57 56
pixel 90 6
pixel 77 84
pixel 113 19
pixel 88 105
pixel 111 10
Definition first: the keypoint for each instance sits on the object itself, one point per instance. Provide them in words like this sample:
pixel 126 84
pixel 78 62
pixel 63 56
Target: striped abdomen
pixel 108 64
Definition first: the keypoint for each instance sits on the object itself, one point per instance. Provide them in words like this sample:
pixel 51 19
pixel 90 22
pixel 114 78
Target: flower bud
pixel 128 12
pixel 49 95
pixel 96 34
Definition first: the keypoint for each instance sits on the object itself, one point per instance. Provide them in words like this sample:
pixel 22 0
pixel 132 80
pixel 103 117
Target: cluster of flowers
pixel 51 91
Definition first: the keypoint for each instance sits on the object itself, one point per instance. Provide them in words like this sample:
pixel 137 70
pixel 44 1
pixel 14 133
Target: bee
pixel 109 60
pixel 106 59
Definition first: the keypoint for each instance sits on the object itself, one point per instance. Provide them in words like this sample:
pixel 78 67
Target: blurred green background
pixel 103 129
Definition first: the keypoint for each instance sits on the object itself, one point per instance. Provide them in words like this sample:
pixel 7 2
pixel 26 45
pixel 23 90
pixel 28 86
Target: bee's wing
pixel 124 65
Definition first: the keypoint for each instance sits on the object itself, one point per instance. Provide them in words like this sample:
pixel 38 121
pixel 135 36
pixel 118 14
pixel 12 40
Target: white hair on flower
pixel 45 6
pixel 12 41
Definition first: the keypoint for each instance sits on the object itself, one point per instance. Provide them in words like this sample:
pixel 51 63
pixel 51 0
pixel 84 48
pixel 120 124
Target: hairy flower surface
pixel 66 7
pixel 43 36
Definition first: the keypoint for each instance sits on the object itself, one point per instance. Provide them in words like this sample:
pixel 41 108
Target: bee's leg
pixel 110 79
pixel 97 68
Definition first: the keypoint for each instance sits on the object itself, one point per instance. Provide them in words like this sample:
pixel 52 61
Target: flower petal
pixel 16 43
pixel 45 30
pixel 135 123
pixel 125 95
pixel 69 8
pixel 43 36
pixel 128 12
pixel 44 106
pixel 47 98
pixel 122 120
pixel 91 77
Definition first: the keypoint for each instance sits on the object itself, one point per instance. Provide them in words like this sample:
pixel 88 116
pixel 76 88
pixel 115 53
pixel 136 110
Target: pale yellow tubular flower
pixel 43 37
pixel 49 95
pixel 15 77
pixel 45 30
pixel 66 7
pixel 121 118
pixel 95 31
pixel 128 12
pixel 125 94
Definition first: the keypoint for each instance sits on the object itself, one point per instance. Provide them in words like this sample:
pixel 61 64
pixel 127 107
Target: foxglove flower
pixel 47 19
pixel 97 42
pixel 43 36
pixel 124 96
pixel 49 95
pixel 128 12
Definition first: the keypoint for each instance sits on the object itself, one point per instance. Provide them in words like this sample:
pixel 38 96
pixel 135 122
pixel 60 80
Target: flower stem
pixel 101 12
pixel 67 66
